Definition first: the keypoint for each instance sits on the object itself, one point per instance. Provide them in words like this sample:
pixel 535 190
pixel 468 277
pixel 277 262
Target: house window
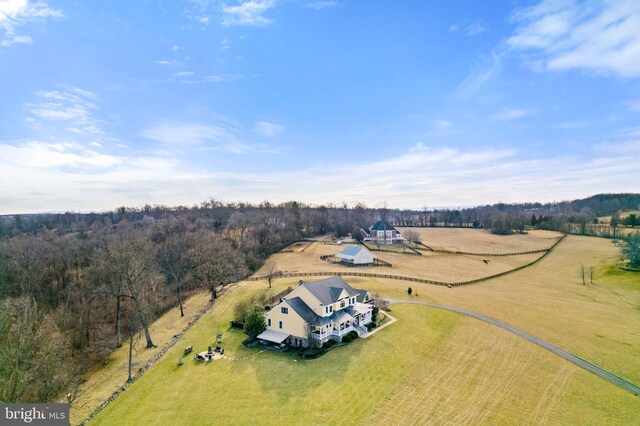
pixel 279 324
pixel 284 310
pixel 330 308
pixel 269 322
pixel 326 310
pixel 342 304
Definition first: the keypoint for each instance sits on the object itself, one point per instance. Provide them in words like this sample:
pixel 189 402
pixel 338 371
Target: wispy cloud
pixel 323 4
pixel 221 135
pixel 473 29
pixel 512 114
pixel 634 105
pixel 479 76
pixel 597 36
pixel 247 13
pixel 73 106
pixel 571 124
pixel 268 129
pixel 17 13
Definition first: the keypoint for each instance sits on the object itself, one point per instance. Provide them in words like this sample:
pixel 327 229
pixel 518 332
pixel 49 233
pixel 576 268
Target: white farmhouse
pixel 356 255
pixel 322 310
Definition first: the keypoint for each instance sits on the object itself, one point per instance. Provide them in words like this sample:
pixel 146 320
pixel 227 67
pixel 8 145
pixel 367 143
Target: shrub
pixel 347 339
pixel 371 325
pixel 409 291
pixel 255 322
pixel 328 344
pixel 374 313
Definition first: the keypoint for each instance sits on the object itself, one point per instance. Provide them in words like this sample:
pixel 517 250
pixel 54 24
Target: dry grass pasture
pixel 483 241
pixel 599 321
pixel 433 266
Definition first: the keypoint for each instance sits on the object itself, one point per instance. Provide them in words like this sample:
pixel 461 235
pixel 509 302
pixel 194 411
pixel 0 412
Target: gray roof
pixel 352 250
pixel 273 336
pixel 327 290
pixel 301 308
pixel 382 225
pixel 362 294
pixel 341 316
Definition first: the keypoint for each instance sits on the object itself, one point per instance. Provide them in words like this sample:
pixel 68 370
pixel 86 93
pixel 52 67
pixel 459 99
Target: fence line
pixel 405 278
pixel 465 253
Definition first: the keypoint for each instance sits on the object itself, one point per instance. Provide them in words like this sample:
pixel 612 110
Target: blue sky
pixel 109 103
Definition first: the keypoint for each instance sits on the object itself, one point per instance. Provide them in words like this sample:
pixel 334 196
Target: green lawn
pixel 260 387
pixel 431 366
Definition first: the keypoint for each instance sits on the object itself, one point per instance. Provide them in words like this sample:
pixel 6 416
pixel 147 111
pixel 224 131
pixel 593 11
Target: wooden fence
pixel 405 278
pixel 466 253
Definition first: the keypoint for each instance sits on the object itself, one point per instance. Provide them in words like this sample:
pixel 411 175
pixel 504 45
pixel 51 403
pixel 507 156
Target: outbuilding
pixel 356 255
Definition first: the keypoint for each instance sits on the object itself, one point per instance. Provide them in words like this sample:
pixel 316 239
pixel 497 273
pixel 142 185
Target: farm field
pixel 431 366
pixel 599 321
pixel 417 370
pixel 483 241
pixel 434 266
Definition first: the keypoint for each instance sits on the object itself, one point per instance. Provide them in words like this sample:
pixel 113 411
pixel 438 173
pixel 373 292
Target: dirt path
pixel 616 380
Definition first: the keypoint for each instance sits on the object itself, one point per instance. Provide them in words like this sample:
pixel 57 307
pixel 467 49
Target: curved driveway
pixel 616 380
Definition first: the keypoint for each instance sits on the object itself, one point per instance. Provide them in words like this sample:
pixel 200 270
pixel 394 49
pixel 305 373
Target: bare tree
pixel 411 236
pixel 271 271
pixel 176 262
pixel 130 265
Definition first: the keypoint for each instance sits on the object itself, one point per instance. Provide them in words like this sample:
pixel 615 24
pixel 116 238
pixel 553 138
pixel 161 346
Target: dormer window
pixel 284 310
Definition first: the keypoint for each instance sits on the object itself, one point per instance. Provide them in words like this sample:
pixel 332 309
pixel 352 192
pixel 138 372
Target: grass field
pixel 483 241
pixel 431 366
pixel 434 266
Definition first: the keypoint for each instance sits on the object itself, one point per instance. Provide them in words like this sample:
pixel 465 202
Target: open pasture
pixel 433 266
pixel 431 366
pixel 483 241
pixel 599 321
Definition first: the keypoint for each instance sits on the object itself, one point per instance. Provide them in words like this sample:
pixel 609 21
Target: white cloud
pixel 217 137
pixel 63 177
pixel 478 77
pixel 473 29
pixel 634 105
pixel 323 4
pixel 17 13
pixel 247 13
pixel 571 124
pixel 512 114
pixel 225 44
pixel 597 36
pixel 72 105
pixel 268 129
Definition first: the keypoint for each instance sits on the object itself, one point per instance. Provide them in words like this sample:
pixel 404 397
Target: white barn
pixel 356 254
